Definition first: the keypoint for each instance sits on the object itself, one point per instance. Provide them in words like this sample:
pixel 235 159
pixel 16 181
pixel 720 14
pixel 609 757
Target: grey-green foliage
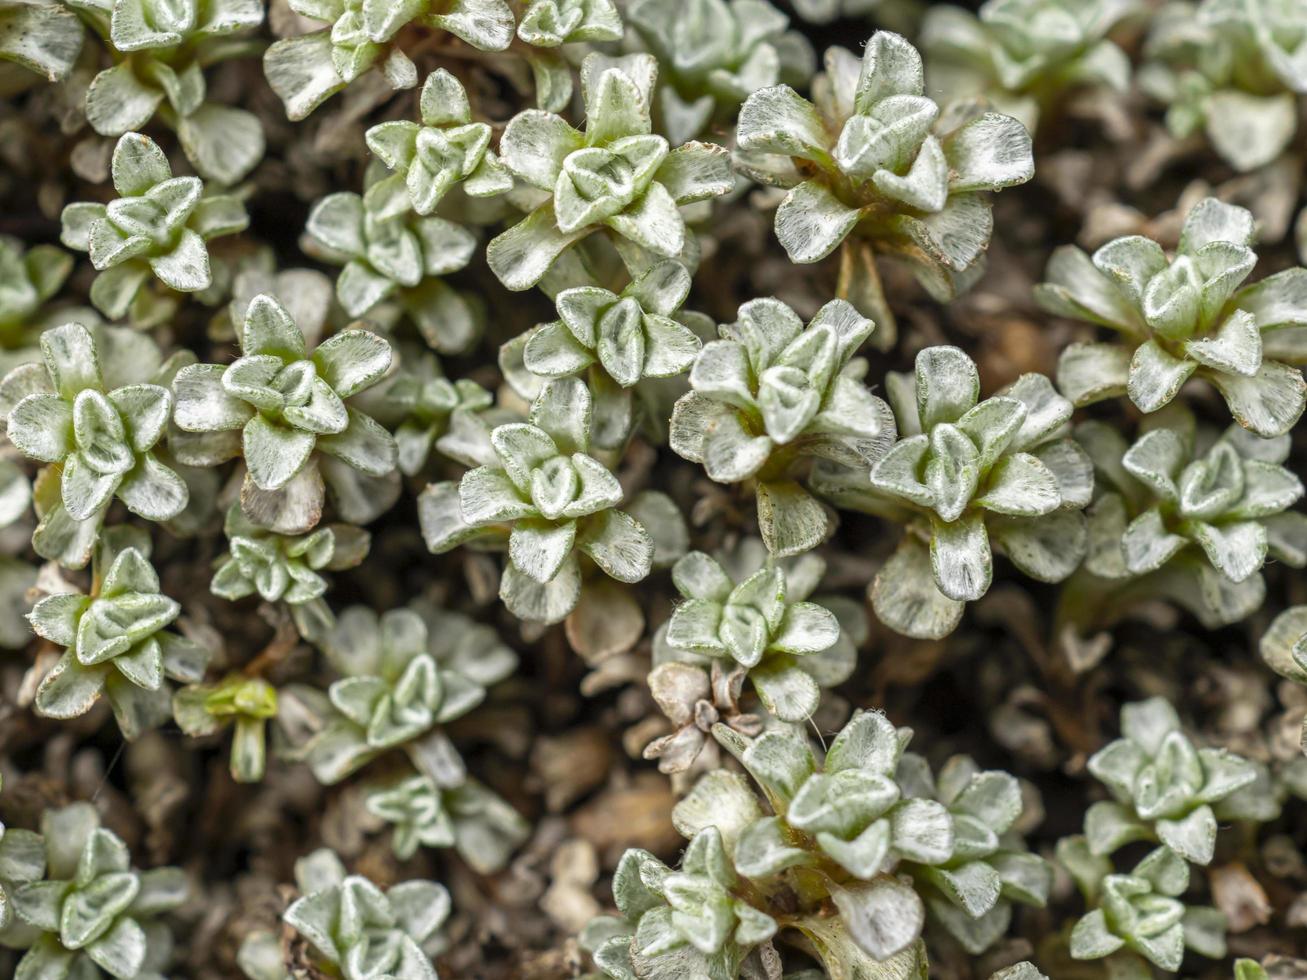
pixel 1023 56
pixel 989 856
pixel 116 642
pixel 1184 315
pixel 283 567
pixel 363 932
pixel 549 501
pixel 966 477
pixel 40 35
pixel 895 835
pixel 1139 914
pixel 447 149
pixel 617 175
pixel 157 227
pixel 29 279
pixel 92 914
pixel 397 256
pixel 160 50
pixel 308 69
pixel 550 23
pixel 789 648
pixel 403 674
pixel 713 54
pixel 466 816
pixel 282 409
pixel 1200 522
pixel 1232 70
pixel 769 396
pixel 615 342
pixel 1164 787
pixel 424 409
pixel 683 922
pixel 22 860
pixel 873 157
pixel 99 443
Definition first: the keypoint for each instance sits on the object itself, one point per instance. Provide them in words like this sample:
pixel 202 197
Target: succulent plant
pixel 1165 788
pixel 1022 56
pixel 687 921
pixel 1180 317
pixel 968 476
pixel 116 641
pixel 467 817
pixel 1141 913
pixel 160 50
pixel 753 624
pixel 361 930
pixel 971 893
pixel 615 341
pixel 289 409
pixel 29 279
pixel 1231 70
pixel 550 499
pixel 157 227
pixel 93 914
pixel 99 443
pixel 244 703
pixel 308 69
pixel 42 37
pixel 423 408
pixel 617 175
pixel 400 257
pixel 428 159
pixel 283 567
pixel 772 392
pixel 874 158
pixel 403 675
pixel 1200 524
pixel 871 810
pixel 714 54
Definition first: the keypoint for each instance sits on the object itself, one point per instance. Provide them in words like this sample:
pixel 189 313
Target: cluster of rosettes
pixel 868 829
pixel 683 104
pixel 1166 791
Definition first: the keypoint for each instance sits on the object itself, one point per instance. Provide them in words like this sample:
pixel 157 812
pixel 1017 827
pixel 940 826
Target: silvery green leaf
pixel 960 558
pixel 884 917
pixel 118 102
pixel 1088 373
pixel 1270 402
pixel 44 38
pixel 222 143
pixel 991 152
pixel 534 602
pixel 784 689
pixel 1148 545
pixel 779 760
pixel 906 598
pixel 1156 376
pixel 619 544
pixel 790 519
pixel 1048 548
pixel 1237 549
pixel 811 222
pixel 723 800
pixel 302 72
pixel 1247 130
pixel 1193 837
pixel 779 120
